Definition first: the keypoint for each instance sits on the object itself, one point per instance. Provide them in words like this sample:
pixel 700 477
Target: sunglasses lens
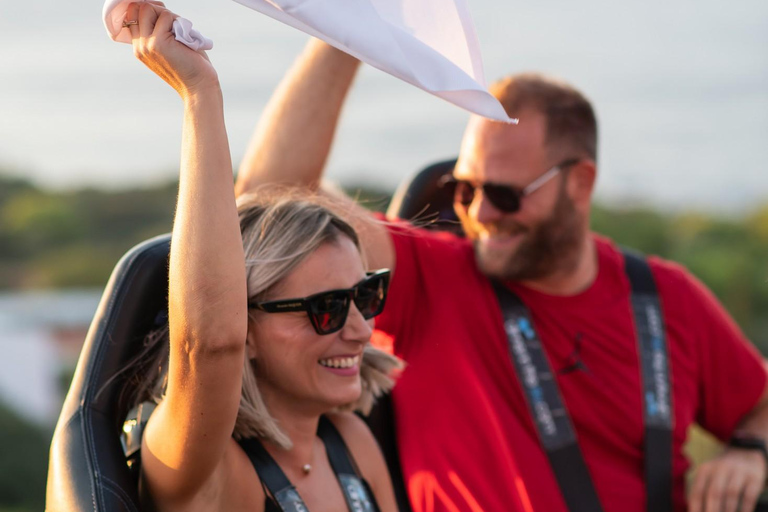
pixel 371 295
pixel 504 198
pixel 329 311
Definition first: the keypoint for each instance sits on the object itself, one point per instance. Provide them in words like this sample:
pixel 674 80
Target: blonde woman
pixel 270 313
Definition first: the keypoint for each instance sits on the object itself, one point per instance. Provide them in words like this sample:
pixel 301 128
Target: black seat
pixel 87 468
pixel 427 199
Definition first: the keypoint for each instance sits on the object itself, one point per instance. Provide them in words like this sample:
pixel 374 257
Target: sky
pixel 680 89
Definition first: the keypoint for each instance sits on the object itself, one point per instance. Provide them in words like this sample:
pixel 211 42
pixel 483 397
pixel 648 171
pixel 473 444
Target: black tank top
pixel 283 497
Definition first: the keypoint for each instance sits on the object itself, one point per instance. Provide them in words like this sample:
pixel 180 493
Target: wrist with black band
pixel 746 441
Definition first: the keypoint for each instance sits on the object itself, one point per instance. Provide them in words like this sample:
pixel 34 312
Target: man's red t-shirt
pixel 465 435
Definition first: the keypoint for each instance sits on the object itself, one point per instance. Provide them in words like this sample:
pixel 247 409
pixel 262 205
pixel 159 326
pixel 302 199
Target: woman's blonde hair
pixel 279 231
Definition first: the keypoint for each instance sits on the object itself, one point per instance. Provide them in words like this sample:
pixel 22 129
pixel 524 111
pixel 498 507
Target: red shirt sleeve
pixel 732 373
pixel 425 261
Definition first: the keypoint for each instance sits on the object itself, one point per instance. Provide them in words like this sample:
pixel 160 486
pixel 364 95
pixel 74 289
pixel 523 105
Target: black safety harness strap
pixel 282 490
pixel 355 492
pixel 657 393
pixel 550 416
pixel 285 494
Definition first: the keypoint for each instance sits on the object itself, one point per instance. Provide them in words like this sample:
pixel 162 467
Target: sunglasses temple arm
pixel 541 180
pixel 288 306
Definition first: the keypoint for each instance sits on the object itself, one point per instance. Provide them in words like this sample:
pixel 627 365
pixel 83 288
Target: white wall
pixel 29 373
pixel 30 359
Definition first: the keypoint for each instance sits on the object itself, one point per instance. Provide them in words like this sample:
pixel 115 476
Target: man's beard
pixel 547 248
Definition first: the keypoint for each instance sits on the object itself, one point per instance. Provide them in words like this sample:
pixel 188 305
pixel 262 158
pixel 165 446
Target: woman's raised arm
pixel 185 440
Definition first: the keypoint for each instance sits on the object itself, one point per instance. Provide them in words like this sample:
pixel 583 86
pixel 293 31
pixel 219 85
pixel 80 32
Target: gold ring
pixel 128 23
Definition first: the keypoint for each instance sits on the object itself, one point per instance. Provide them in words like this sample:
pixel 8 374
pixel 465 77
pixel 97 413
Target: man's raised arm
pixel 293 138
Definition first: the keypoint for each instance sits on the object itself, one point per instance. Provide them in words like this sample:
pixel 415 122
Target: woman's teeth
pixel 340 362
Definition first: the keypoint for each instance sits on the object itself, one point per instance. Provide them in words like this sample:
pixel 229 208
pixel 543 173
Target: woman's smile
pixel 344 365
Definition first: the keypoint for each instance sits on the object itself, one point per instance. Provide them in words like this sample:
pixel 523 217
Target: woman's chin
pixel 341 396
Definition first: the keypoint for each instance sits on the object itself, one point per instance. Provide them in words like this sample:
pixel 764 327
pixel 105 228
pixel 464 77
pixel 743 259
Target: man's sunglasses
pixel 328 310
pixel 503 197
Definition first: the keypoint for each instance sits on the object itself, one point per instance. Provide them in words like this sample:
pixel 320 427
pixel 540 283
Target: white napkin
pixel 431 44
pixel 114 15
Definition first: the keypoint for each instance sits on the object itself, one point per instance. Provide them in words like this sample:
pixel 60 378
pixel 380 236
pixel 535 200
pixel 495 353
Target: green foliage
pixel 73 239
pixel 23 463
pixel 375 200
pixel 729 255
pixel 642 229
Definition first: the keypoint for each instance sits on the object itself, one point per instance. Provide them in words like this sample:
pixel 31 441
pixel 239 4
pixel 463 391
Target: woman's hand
pixel 187 71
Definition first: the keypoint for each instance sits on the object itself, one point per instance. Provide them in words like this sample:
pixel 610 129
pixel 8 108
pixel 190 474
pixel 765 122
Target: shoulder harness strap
pixel 551 418
pixel 657 393
pixel 356 494
pixel 278 485
pixel 355 491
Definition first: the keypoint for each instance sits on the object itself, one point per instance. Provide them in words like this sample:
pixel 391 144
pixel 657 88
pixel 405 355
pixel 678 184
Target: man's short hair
pixel 571 121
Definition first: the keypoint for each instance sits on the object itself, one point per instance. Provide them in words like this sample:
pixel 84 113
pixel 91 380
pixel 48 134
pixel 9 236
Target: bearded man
pixel 471 417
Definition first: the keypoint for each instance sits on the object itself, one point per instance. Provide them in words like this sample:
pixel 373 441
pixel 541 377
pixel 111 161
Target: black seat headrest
pixel 426 201
pixel 87 468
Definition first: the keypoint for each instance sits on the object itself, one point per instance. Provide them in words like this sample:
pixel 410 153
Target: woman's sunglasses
pixel 328 310
pixel 503 197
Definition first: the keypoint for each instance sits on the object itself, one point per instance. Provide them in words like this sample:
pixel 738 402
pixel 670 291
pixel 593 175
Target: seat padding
pixel 424 199
pixel 87 469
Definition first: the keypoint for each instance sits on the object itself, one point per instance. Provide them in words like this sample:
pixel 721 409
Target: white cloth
pixel 431 44
pixel 114 15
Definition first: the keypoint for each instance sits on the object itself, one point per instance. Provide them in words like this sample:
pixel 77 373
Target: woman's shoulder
pixel 237 480
pixel 229 487
pixel 356 434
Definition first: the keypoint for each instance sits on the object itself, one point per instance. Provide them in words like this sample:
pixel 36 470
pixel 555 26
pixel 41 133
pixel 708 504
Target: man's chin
pixel 493 263
pixel 503 246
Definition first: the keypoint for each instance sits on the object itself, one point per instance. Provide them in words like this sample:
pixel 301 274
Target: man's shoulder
pixel 668 271
pixel 665 272
pixel 422 238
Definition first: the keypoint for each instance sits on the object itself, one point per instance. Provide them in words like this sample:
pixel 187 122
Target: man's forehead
pixel 492 151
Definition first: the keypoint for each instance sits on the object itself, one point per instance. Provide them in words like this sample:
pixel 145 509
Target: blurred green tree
pixel 23 463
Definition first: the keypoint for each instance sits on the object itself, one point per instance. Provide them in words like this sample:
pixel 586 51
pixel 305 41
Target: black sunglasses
pixel 503 197
pixel 328 310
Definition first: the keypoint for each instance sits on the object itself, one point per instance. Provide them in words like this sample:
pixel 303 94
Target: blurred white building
pixel 41 334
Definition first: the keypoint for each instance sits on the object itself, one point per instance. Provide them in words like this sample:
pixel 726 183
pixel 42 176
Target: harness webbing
pixel 355 492
pixel 551 418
